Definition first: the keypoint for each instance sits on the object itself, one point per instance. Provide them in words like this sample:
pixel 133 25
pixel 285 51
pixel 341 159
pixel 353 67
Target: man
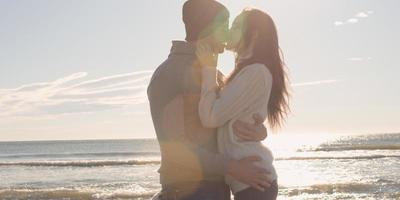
pixel 191 167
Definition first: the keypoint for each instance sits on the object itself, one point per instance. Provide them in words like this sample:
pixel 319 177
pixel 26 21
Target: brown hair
pixel 266 51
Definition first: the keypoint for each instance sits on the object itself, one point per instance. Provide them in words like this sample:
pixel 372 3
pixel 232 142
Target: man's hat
pixel 202 16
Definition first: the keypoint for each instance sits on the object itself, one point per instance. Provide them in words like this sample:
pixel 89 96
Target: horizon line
pixel 154 138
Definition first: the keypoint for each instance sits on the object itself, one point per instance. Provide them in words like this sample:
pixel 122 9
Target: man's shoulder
pixel 174 63
pixel 164 66
pixel 169 71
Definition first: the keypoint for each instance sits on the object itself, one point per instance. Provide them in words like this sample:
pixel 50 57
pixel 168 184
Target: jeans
pixel 206 190
pixel 270 193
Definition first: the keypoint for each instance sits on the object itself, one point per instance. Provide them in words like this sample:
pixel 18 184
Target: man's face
pixel 221 37
pixel 216 34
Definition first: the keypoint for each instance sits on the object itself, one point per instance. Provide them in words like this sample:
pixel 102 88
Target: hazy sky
pixel 78 69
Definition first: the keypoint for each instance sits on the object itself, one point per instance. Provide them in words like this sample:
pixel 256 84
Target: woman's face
pixel 235 34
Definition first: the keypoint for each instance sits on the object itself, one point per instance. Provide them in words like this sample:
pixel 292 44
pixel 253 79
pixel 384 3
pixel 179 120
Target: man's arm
pixel 251 132
pixel 197 158
pixel 243 170
pixel 183 153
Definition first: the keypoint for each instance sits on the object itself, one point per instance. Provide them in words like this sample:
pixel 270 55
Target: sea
pixel 309 166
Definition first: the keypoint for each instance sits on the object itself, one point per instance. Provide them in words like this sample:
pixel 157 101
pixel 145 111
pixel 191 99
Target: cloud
pixel 338 23
pixel 359 59
pixel 71 94
pixel 311 83
pixel 362 15
pixel 355 19
pixel 352 20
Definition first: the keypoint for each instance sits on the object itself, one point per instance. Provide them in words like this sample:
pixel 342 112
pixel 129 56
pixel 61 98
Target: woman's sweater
pixel 247 94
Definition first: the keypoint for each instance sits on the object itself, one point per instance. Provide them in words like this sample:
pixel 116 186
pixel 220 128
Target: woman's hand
pixel 206 55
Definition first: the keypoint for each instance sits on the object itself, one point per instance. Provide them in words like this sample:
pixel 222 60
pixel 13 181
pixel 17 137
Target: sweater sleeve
pixel 233 99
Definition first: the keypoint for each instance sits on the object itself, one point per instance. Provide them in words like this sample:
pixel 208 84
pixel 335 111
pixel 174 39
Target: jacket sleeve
pixel 176 148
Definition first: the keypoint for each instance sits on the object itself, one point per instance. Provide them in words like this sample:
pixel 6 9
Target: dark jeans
pixel 253 194
pixel 206 190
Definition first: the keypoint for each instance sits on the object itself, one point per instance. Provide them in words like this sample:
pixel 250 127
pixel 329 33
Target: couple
pixel 210 127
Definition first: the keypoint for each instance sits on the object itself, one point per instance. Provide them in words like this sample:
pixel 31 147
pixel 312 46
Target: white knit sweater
pixel 248 93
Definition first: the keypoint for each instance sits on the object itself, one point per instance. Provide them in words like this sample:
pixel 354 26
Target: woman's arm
pixel 235 97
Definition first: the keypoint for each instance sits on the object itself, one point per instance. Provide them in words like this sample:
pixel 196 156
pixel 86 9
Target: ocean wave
pixel 100 163
pixel 63 155
pixel 357 147
pixel 338 188
pixel 94 163
pixel 62 194
pixel 338 157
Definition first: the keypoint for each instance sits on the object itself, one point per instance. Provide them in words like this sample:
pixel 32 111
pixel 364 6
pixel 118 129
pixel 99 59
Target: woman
pixel 258 84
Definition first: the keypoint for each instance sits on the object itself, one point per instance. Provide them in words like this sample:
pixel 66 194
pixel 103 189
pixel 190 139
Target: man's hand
pixel 250 132
pixel 246 172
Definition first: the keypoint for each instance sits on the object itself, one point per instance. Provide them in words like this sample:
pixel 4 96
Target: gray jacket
pixel 188 150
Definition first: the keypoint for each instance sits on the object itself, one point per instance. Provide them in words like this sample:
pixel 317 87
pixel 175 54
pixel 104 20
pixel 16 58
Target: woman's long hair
pixel 265 51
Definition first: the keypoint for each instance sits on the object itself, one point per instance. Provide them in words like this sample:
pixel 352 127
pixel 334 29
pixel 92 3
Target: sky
pixel 78 69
